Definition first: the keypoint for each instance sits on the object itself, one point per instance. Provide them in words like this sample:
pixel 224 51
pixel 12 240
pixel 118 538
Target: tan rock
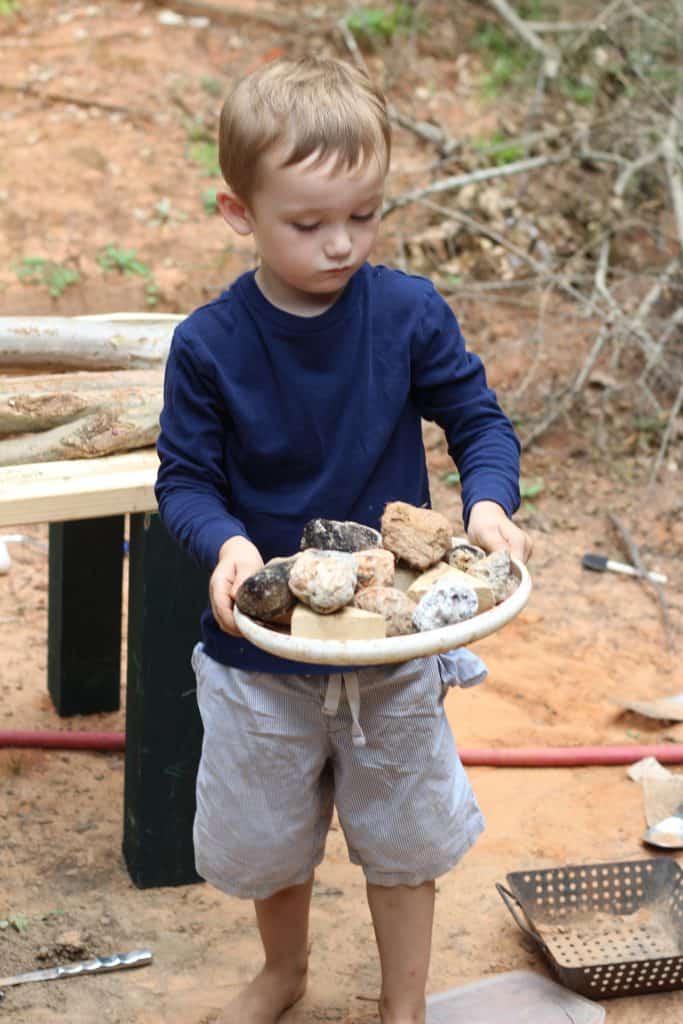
pixel 420 536
pixel 375 568
pixel 324 580
pixel 393 605
pixel 347 624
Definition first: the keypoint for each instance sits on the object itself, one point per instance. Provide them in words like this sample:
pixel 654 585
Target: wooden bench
pixel 85 503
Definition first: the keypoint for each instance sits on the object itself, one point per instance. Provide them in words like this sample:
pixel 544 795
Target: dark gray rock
pixel 332 535
pixel 463 556
pixel 266 594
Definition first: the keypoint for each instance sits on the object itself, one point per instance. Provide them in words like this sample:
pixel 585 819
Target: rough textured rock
pixel 331 535
pixel 347 624
pixel 463 556
pixel 446 603
pixel 266 594
pixel 375 567
pixel 393 605
pixel 496 570
pixel 324 580
pixel 420 536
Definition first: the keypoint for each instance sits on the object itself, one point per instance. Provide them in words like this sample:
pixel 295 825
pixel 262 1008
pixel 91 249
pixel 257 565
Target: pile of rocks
pixel 350 582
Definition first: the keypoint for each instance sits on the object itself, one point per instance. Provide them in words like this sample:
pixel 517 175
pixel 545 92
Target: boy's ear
pixel 234 213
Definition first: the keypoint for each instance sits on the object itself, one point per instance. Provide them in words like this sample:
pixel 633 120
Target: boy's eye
pixel 306 227
pixel 364 216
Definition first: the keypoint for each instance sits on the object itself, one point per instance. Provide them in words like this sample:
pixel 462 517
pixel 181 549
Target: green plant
pixel 209 201
pixel 206 155
pixel 211 85
pixel 505 59
pixel 380 24
pixel 123 260
pixel 499 151
pixel 152 293
pixel 579 90
pixel 8 8
pixel 530 489
pixel 56 276
pixel 19 922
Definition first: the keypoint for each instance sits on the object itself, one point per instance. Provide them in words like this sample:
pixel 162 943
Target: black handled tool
pixel 600 563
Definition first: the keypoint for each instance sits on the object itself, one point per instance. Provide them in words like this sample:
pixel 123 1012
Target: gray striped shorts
pixel 280 751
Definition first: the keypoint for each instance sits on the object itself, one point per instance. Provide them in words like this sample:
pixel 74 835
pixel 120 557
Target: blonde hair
pixel 309 106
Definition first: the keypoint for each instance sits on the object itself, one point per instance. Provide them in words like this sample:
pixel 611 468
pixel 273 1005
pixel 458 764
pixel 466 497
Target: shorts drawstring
pixel 349 680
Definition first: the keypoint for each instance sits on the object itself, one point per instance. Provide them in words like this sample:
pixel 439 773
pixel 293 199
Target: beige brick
pixel 347 624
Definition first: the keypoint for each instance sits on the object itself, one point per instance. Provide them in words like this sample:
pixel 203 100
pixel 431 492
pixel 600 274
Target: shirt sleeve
pixel 450 387
pixel 192 489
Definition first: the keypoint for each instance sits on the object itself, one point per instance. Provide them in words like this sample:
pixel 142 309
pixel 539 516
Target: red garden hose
pixel 510 757
pixel 63 739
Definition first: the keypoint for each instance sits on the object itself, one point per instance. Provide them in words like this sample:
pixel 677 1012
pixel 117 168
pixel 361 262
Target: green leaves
pixel 55 276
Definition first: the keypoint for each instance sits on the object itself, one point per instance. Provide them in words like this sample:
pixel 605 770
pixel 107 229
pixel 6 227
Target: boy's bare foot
pixel 266 998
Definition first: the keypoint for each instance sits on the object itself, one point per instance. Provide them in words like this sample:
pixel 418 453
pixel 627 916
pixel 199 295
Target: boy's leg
pixel 283 926
pixel 402 916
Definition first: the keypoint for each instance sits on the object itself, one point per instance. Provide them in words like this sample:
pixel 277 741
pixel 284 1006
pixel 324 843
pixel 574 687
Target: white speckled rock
pixel 375 568
pixel 393 605
pixel 447 602
pixel 324 580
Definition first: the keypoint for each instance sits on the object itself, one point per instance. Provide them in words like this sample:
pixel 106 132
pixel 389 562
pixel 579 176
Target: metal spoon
pixel 667 833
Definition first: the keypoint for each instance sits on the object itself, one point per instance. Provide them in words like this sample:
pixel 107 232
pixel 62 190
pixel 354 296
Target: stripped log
pixel 68 343
pixel 116 428
pixel 39 403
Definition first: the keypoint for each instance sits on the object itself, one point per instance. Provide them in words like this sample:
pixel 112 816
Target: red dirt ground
pixel 76 178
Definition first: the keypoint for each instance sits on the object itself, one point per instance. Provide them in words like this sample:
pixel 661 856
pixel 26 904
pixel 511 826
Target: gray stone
pixel 324 580
pixel 332 535
pixel 463 556
pixel 447 602
pixel 496 570
pixel 266 594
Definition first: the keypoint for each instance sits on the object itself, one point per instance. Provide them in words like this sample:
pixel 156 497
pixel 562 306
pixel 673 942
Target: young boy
pixel 297 394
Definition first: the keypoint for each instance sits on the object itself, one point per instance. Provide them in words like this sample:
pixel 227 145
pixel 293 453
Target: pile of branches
pixel 561 202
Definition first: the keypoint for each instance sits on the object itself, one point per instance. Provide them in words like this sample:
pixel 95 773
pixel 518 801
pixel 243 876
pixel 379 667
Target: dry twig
pixel 636 560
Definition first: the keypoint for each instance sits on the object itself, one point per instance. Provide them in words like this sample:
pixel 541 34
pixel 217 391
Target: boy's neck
pixel 291 301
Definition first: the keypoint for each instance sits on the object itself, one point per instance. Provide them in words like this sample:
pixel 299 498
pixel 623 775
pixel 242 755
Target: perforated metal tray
pixel 613 929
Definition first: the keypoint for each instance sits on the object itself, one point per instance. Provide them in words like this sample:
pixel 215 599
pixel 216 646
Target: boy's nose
pixel 337 244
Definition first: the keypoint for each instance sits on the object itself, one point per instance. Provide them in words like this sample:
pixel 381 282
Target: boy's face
pixel 314 226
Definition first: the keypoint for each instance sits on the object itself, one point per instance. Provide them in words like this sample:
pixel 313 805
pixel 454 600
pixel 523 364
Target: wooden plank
pixel 53 492
pixel 167 594
pixel 84 615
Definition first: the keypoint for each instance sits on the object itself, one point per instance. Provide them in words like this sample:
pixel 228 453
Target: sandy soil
pixel 78 177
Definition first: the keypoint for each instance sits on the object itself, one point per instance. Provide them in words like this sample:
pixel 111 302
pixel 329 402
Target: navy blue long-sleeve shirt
pixel 272 419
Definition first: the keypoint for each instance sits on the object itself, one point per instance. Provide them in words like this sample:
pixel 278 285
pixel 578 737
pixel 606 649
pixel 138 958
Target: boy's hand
pixel 489 528
pixel 237 559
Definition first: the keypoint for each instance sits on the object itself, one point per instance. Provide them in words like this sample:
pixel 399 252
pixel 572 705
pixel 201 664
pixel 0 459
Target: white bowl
pixel 391 648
